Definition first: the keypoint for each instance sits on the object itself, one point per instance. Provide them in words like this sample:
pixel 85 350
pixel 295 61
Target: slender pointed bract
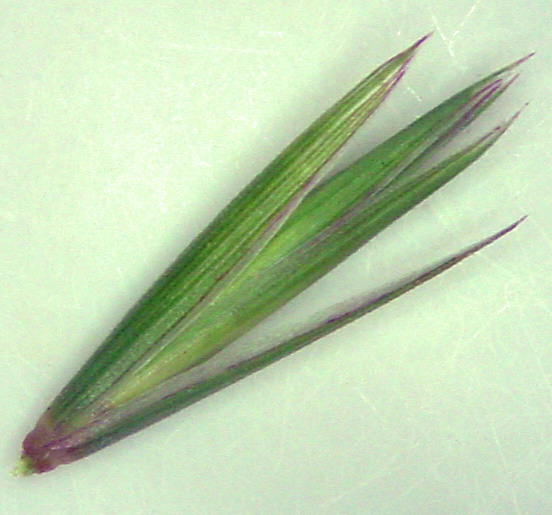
pixel 229 241
pixel 287 229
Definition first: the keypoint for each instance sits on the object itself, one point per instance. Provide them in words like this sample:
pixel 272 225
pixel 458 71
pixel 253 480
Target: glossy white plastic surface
pixel 127 125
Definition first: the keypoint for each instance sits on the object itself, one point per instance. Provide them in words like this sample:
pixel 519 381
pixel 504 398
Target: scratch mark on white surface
pixel 372 405
pixel 463 22
pixel 29 109
pixel 197 158
pixel 449 42
pixel 385 471
pixel 505 307
pixel 322 17
pixel 414 94
pixel 544 377
pixel 505 466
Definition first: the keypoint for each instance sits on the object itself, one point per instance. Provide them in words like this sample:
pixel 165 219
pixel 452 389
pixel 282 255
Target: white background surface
pixel 127 125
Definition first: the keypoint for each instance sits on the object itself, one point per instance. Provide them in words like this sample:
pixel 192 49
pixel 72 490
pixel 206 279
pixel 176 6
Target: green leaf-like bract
pixel 287 229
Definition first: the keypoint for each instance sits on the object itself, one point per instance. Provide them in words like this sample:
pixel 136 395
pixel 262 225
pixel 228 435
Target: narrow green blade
pixel 229 241
pixel 278 274
pixel 179 392
pixel 283 232
pixel 389 165
pixel 392 162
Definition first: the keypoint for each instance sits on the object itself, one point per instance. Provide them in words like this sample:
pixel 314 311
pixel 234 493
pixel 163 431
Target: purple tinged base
pixel 40 452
